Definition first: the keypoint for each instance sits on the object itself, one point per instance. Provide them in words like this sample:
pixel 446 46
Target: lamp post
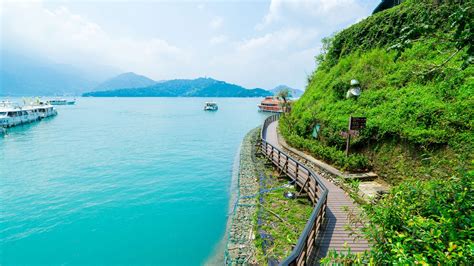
pixel 354 91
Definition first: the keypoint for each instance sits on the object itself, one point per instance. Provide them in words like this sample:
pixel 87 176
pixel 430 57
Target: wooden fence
pixel 307 181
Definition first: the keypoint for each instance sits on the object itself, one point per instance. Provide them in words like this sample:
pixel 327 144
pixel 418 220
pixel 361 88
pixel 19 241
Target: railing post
pixel 279 154
pixel 296 171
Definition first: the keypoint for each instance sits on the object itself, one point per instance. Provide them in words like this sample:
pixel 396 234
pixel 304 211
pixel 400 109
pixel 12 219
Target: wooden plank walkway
pixel 334 234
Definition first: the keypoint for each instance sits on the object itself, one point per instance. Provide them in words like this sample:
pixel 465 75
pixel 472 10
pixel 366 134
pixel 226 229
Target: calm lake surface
pixel 121 180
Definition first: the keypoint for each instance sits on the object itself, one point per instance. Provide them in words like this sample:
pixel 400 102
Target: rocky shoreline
pixel 240 248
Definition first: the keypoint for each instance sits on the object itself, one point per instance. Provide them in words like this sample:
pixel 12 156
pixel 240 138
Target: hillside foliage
pixel 418 223
pixel 417 81
pixel 415 66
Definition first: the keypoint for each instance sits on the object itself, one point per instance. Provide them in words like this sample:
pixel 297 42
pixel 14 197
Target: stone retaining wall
pixel 240 246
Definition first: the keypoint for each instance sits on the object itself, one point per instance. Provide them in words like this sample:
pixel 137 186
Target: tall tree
pixel 285 95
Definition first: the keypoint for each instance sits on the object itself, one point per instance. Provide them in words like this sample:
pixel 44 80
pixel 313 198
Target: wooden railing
pixel 308 182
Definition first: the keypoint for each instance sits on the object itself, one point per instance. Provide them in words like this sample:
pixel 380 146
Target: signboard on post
pixel 357 123
pixel 316 131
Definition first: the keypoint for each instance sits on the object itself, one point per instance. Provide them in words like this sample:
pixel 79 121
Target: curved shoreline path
pixel 334 235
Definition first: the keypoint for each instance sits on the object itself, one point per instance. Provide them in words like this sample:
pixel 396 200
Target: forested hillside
pixel 200 87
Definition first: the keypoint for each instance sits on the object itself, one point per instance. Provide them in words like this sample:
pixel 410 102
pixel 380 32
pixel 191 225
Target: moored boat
pixel 271 104
pixel 62 102
pixel 45 109
pixel 210 106
pixel 12 114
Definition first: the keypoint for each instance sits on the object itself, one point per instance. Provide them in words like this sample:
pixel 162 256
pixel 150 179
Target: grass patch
pixel 279 221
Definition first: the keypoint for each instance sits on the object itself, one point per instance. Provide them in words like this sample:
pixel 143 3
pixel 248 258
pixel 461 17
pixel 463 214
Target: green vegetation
pixel 420 222
pixel 330 154
pixel 415 66
pixel 416 74
pixel 285 95
pixel 279 221
pixel 425 222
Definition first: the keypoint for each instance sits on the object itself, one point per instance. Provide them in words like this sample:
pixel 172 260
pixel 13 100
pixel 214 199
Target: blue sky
pixel 251 43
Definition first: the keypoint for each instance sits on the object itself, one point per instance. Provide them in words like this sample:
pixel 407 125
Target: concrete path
pixel 334 234
pixel 272 136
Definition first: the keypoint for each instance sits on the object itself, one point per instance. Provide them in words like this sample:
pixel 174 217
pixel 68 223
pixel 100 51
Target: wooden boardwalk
pixel 333 234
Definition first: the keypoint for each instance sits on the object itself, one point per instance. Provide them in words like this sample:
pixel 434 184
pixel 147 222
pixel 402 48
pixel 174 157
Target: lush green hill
pixel 414 63
pixel 201 87
pixel 125 80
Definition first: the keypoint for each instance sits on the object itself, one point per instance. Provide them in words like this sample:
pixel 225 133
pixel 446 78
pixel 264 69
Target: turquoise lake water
pixel 121 180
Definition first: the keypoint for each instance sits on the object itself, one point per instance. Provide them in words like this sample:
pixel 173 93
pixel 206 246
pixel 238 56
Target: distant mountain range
pixel 295 93
pixel 200 87
pixel 31 75
pixel 126 80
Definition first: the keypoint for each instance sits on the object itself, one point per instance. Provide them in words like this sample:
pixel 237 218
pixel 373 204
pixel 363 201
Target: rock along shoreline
pixel 240 247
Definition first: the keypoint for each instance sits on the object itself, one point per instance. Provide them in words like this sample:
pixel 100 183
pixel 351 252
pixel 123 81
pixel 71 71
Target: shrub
pixel 332 155
pixel 420 222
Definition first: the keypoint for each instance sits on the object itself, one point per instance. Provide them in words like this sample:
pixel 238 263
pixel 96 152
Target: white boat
pixel 62 102
pixel 12 114
pixel 210 106
pixel 45 109
pixel 32 114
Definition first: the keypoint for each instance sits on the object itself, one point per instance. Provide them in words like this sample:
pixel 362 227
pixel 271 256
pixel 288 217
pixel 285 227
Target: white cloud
pixel 282 52
pixel 64 36
pixel 281 40
pixel 271 59
pixel 330 11
pixel 216 23
pixel 218 40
